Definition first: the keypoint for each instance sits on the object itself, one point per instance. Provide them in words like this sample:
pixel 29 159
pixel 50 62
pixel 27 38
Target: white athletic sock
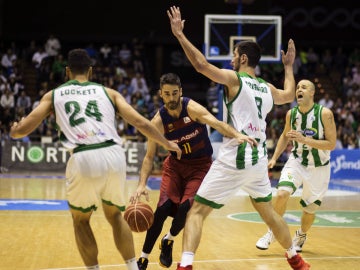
pixel 169 236
pixel 301 231
pixel 291 252
pixel 144 255
pixel 94 267
pixel 187 258
pixel 132 264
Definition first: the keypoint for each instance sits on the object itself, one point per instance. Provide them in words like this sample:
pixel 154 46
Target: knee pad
pixel 311 208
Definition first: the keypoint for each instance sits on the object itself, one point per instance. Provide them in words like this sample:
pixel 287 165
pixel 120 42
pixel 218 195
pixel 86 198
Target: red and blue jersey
pixel 191 136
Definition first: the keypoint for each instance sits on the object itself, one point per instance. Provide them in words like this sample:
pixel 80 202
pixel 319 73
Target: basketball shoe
pixel 166 247
pixel 264 242
pixel 297 262
pixel 299 240
pixel 188 267
pixel 142 263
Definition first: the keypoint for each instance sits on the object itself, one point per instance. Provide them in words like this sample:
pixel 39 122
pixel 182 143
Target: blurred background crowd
pixel 28 72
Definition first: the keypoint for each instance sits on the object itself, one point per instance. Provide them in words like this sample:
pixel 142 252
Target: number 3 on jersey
pixel 258 102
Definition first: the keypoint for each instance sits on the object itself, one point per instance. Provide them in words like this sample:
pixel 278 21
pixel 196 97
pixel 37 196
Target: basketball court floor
pixel 36 230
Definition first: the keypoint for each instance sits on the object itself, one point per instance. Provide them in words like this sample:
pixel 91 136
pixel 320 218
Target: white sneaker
pixel 264 242
pixel 299 241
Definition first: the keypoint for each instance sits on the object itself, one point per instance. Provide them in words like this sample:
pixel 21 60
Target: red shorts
pixel 182 178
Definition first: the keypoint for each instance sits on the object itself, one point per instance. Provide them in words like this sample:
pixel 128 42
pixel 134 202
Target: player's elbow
pixel 16 135
pixel 332 146
pixel 201 66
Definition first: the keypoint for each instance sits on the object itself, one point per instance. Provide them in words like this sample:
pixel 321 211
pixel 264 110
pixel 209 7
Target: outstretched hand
pixel 177 25
pixel 141 190
pixel 288 58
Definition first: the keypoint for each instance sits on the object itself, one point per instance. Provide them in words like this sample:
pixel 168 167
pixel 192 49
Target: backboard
pixel 222 32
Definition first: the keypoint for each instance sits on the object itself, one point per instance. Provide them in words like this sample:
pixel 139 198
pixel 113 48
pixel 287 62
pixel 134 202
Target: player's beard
pixel 173 105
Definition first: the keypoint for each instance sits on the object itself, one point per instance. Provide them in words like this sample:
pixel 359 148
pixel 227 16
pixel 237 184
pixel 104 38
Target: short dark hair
pixel 170 78
pixel 252 51
pixel 79 61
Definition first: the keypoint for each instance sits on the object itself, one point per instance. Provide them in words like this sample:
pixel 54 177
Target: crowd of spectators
pixel 124 67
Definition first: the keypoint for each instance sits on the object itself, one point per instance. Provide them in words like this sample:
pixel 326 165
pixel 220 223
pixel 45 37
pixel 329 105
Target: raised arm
pixel 288 94
pixel 196 58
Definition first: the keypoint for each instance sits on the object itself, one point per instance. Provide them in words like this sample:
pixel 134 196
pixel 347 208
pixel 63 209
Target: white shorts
pixel 315 180
pixel 222 182
pixel 96 176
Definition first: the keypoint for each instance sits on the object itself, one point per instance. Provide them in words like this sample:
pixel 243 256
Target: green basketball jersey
pixel 84 114
pixel 247 113
pixel 309 124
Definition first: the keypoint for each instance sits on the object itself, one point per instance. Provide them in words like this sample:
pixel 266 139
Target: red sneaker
pixel 188 267
pixel 297 263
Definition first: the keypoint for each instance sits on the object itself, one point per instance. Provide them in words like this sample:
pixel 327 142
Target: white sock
pixel 301 231
pixel 169 236
pixel 291 252
pixel 132 264
pixel 94 267
pixel 187 258
pixel 144 255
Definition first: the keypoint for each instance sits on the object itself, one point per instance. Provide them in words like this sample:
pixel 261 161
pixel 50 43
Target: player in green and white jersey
pixel 96 171
pixel 247 101
pixel 311 128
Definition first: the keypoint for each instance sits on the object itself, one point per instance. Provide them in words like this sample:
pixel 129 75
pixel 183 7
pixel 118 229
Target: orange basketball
pixel 139 216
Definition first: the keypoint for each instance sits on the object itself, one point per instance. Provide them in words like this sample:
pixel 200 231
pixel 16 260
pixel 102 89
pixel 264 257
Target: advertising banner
pixel 345 164
pixel 52 157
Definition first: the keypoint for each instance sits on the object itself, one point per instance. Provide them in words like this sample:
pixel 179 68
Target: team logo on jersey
pixel 310 132
pixel 187 119
pixel 171 127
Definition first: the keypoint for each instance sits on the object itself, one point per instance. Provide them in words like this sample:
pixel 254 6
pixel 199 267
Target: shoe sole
pixel 164 266
pixel 261 248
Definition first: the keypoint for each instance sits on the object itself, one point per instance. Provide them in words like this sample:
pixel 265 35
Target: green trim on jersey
pixel 84 210
pixel 207 202
pixel 106 93
pixel 286 184
pixel 268 198
pixel 85 147
pixel 303 203
pixel 121 208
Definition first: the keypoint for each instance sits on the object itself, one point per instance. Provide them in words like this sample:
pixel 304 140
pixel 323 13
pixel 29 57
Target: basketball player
pixel 312 130
pixel 181 120
pixel 96 171
pixel 247 100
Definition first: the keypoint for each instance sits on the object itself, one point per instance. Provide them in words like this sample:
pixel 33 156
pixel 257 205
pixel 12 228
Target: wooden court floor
pixel 42 240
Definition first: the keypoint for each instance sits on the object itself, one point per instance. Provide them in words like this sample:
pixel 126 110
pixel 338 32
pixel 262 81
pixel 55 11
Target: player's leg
pixel 84 237
pixel 280 203
pixel 152 234
pixel 122 234
pixel 167 241
pixel 312 195
pixel 192 233
pixel 290 180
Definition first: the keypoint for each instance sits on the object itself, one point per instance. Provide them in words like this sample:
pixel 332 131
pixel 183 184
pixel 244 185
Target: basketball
pixel 139 216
